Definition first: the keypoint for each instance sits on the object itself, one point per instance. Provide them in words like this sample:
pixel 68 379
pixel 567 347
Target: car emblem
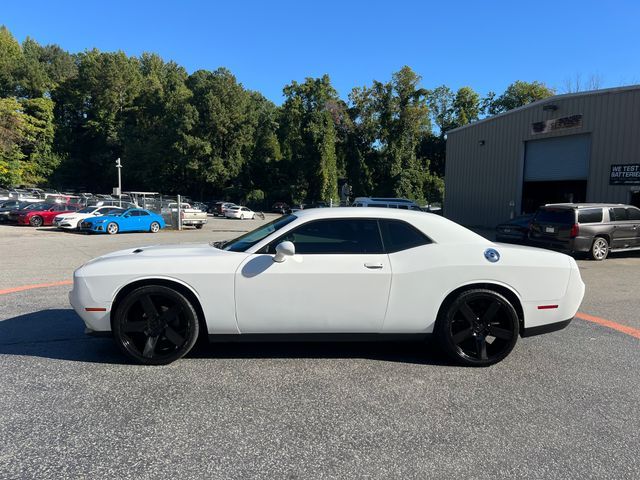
pixel 492 255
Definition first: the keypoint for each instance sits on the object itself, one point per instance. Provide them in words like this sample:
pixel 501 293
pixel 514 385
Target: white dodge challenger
pixel 331 273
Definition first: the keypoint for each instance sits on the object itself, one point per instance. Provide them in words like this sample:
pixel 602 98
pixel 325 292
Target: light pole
pixel 119 167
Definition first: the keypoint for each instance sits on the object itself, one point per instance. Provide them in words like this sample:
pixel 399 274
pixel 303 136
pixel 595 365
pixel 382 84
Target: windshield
pixel 248 240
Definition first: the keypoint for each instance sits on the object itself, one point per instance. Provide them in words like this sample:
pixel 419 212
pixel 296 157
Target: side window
pixel 142 213
pixel 634 213
pixel 340 236
pixel 590 215
pixel 403 207
pixel 135 213
pixel 398 235
pixel 618 214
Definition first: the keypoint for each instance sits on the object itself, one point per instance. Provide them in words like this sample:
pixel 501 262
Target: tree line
pixel 65 118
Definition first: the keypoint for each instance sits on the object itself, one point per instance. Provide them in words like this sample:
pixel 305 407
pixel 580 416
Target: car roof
pixel 585 205
pixel 436 227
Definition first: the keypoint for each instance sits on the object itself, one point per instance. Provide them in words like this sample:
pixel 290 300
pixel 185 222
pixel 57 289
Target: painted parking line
pixel 633 332
pixel 34 286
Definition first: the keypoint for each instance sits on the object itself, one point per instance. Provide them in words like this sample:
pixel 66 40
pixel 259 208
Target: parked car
pixel 131 220
pixel 221 207
pixel 593 228
pixel 401 203
pixel 380 272
pixel 515 230
pixel 239 212
pixel 190 217
pixel 72 221
pixel 280 207
pixel 40 214
pixel 8 206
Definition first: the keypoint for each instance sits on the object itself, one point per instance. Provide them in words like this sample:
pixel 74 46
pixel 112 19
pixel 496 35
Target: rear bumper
pixel 541 329
pixel 577 244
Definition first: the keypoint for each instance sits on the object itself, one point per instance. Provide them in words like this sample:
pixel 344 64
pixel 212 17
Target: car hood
pixel 124 260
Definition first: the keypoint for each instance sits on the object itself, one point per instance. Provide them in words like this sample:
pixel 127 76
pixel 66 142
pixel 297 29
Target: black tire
pixel 599 249
pixel 154 227
pixel 36 221
pixel 478 328
pixel 200 226
pixel 112 228
pixel 155 325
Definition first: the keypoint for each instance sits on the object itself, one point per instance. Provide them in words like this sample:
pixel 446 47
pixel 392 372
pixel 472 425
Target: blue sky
pixel 266 44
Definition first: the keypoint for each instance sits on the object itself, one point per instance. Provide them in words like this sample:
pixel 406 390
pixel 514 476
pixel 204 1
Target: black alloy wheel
pixel 155 325
pixel 479 328
pixel 36 221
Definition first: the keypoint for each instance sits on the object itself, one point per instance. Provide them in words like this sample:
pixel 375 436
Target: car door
pixel 623 235
pixel 144 221
pixel 337 282
pixel 633 214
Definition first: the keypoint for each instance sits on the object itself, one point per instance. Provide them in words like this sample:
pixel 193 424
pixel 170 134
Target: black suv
pixel 594 228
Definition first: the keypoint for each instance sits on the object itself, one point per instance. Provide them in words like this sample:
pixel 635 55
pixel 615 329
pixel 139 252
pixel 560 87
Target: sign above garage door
pixel 625 174
pixel 574 121
pixel 557 159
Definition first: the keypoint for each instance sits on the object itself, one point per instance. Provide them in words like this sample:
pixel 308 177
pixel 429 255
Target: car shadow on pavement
pixel 56 334
pixel 59 334
pixel 401 352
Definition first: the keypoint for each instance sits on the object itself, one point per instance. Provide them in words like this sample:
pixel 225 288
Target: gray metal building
pixel 567 148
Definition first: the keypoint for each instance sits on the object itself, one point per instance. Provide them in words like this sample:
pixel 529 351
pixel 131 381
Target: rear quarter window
pixel 590 215
pixel 398 235
pixel 563 216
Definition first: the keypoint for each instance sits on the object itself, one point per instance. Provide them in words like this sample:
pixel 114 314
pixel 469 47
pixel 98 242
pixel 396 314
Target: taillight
pixel 575 230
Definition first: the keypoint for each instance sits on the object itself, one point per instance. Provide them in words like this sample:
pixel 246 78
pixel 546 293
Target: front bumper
pixel 95 314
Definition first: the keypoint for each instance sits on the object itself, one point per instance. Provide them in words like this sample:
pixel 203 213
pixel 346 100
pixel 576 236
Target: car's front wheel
pixel 112 228
pixel 200 226
pixel 155 325
pixel 599 249
pixel 478 328
pixel 36 221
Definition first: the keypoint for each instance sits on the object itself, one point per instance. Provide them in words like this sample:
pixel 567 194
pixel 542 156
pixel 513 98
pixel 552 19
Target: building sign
pixel 547 126
pixel 627 174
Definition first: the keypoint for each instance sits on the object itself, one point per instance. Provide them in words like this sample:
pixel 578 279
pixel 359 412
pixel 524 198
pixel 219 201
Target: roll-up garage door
pixel 556 159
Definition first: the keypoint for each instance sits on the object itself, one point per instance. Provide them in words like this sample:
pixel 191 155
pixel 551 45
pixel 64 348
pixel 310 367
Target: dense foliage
pixel 65 118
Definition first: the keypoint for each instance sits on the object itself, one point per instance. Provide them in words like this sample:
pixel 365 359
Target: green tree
pixel 10 62
pixel 308 137
pixel 516 95
pixel 466 106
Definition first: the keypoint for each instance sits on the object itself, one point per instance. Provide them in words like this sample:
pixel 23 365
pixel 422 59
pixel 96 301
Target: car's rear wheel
pixel 112 228
pixel 599 249
pixel 200 226
pixel 36 221
pixel 479 327
pixel 155 227
pixel 155 325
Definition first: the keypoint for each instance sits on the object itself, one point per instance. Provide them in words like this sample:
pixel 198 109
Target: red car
pixel 40 214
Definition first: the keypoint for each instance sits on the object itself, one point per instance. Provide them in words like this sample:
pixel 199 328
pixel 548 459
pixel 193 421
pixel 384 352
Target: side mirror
pixel 284 250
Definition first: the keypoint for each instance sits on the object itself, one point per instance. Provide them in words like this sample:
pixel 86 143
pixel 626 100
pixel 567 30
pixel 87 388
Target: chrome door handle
pixel 373 266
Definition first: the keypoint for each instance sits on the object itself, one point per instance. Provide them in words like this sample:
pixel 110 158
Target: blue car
pixel 131 220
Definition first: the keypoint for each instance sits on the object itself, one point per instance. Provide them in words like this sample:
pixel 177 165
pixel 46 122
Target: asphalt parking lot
pixel 563 405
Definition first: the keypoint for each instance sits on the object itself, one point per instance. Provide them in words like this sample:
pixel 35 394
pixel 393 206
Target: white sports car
pixel 72 220
pixel 331 273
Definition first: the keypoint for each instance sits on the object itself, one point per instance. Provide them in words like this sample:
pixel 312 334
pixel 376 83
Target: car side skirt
pixel 548 328
pixel 318 337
